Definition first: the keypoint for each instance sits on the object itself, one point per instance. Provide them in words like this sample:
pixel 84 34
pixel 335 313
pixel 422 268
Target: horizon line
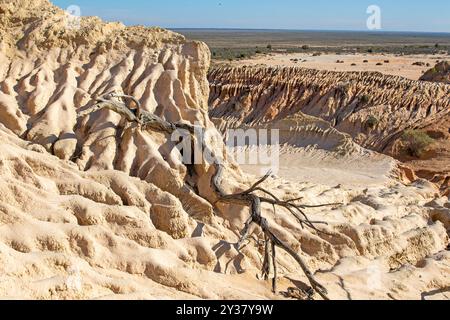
pixel 306 30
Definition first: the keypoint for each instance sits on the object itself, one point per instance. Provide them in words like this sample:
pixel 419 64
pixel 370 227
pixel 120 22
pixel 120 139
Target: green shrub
pixel 365 98
pixel 416 142
pixel 372 122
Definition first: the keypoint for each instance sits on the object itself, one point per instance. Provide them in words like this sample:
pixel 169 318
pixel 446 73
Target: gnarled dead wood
pixel 249 198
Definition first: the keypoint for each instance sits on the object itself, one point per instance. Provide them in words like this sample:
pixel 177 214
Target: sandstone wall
pixel 372 108
pixel 51 71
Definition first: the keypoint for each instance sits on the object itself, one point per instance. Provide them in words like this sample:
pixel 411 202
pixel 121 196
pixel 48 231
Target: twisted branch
pixel 149 121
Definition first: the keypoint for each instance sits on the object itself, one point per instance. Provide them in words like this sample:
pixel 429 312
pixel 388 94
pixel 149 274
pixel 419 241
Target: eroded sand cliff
pixel 92 207
pixel 374 109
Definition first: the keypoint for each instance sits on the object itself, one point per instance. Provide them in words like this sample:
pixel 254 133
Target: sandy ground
pixel 398 65
pixel 316 166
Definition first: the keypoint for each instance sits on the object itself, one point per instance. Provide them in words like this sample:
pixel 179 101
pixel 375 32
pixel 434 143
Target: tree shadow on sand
pixel 220 249
pixel 435 292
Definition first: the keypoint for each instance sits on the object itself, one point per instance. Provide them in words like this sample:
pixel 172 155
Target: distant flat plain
pixel 237 38
pixel 393 53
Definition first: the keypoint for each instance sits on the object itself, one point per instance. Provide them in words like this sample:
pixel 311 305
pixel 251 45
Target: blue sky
pixel 396 15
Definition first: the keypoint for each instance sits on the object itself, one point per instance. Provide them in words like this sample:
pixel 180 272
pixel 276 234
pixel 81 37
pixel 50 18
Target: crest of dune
pixel 94 207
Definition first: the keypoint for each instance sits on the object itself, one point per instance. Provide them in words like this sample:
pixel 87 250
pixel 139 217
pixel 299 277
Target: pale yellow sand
pixel 398 65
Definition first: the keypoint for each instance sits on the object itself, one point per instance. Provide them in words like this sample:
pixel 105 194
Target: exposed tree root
pixel 249 198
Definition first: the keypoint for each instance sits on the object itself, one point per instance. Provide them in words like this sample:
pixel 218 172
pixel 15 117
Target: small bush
pixel 371 122
pixel 416 142
pixel 269 46
pixel 305 47
pixel 365 98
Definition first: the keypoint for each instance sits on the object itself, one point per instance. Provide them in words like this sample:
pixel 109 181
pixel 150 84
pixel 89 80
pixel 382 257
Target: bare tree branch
pixel 248 198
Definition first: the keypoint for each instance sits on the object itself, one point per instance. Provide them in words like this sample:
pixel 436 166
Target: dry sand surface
pixel 94 207
pixel 397 66
pixel 318 166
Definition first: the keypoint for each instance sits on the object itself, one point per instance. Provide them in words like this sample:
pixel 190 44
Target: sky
pixel 396 15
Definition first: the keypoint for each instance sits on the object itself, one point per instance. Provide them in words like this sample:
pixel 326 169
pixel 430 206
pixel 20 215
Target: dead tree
pixel 248 198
